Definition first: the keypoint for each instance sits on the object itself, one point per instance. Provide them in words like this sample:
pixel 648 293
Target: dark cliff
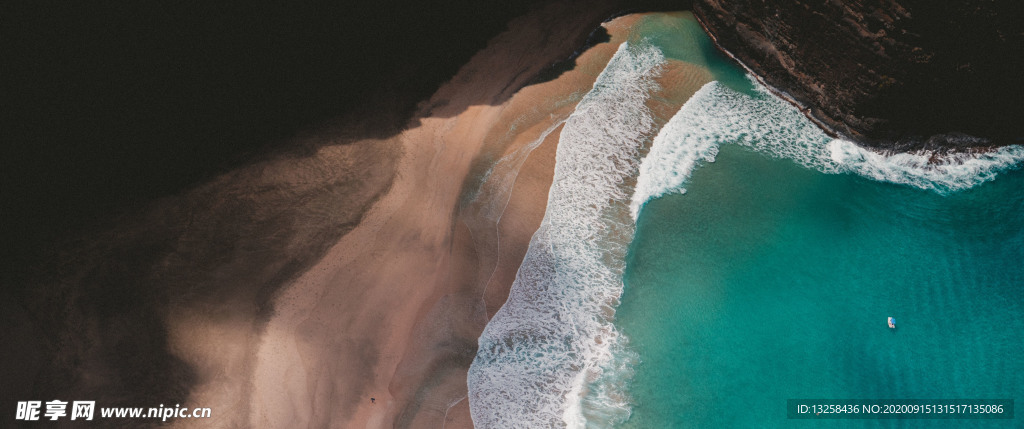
pixel 891 74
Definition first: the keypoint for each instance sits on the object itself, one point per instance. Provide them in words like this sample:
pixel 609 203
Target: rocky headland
pixel 893 75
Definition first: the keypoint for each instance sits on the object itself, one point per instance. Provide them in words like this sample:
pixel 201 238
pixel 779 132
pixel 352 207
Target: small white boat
pixel 892 322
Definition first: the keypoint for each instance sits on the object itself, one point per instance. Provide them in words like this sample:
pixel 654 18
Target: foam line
pixel 553 335
pixel 718 115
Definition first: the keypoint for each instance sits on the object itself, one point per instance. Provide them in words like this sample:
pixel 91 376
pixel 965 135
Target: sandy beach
pixel 393 310
pixel 382 330
pixel 341 284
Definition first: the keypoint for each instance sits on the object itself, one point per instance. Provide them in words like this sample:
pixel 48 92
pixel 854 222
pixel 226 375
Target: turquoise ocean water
pixel 698 274
pixel 768 281
pixel 772 276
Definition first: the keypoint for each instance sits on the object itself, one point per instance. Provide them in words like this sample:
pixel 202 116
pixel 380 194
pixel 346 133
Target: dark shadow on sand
pixel 118 116
pixel 552 72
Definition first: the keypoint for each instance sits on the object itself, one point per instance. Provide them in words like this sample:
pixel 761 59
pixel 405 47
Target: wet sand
pixel 289 292
pixel 393 310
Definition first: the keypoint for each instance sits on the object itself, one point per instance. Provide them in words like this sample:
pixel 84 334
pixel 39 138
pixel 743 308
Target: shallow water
pixel 553 333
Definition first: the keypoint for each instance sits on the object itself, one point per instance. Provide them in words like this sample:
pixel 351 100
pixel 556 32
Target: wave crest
pixel 538 354
pixel 718 115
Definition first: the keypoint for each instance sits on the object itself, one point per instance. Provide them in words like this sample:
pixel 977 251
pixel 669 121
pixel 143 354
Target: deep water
pixel 768 281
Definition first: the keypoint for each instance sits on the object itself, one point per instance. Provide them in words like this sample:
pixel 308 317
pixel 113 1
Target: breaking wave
pixel 553 336
pixel 718 115
pixel 691 136
pixel 551 356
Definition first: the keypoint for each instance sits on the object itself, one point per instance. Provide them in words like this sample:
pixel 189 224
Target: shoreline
pixel 807 110
pixel 547 302
pixel 414 283
pixel 390 269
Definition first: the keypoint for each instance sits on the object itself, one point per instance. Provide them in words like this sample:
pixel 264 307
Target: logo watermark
pixel 86 410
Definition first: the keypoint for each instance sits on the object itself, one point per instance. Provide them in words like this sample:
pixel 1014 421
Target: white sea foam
pixel 689 137
pixel 550 340
pixel 718 115
pixel 942 173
